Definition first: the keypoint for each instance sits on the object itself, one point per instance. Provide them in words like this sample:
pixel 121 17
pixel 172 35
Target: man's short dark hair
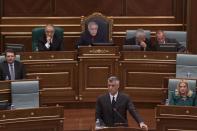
pixel 9 51
pixel 113 78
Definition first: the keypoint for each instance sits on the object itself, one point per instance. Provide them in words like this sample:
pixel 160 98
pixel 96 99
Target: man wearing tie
pixel 111 108
pixel 50 41
pixel 11 69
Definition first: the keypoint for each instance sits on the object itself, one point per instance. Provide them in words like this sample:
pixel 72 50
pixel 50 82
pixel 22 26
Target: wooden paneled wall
pixel 13 8
pixel 18 18
pixel 192 26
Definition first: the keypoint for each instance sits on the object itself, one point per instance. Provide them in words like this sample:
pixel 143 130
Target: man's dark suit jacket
pixel 132 41
pixel 180 48
pixel 19 70
pixel 104 111
pixel 56 45
pixel 87 39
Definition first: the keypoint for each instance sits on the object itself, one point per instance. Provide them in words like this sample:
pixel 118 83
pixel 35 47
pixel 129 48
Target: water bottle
pixel 167 102
pixel 36 49
pixel 97 124
pixel 188 74
pixel 12 107
pixel 6 78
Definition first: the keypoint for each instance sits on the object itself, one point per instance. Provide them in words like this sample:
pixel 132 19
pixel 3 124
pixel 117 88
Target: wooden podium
pixel 96 64
pixel 119 129
pixel 176 118
pixel 37 119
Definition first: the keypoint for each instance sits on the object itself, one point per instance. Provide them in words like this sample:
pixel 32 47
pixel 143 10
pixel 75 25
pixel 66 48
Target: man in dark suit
pixel 111 108
pixel 139 39
pixel 92 35
pixel 162 39
pixel 11 69
pixel 50 41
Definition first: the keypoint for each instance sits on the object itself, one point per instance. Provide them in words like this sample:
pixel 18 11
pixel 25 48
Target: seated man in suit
pixel 50 41
pixel 183 95
pixel 140 39
pixel 111 108
pixel 161 39
pixel 11 69
pixel 93 35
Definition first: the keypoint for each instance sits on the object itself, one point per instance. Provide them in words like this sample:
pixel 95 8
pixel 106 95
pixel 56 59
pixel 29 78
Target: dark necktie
pixel 113 102
pixel 12 72
pixel 113 109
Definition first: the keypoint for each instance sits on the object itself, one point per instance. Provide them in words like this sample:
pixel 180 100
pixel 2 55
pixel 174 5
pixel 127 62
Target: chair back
pixel 131 34
pixel 2 58
pixel 186 66
pixel 180 36
pixel 25 94
pixel 104 24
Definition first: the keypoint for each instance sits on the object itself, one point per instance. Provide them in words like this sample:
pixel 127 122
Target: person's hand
pixel 48 39
pixel 143 126
pixel 143 44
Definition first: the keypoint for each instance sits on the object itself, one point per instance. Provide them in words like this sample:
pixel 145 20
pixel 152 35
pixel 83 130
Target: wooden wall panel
pixel 149 7
pixel 80 7
pixel 27 7
pixel 192 26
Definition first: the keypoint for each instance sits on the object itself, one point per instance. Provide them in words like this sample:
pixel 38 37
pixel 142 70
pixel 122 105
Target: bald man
pixel 49 41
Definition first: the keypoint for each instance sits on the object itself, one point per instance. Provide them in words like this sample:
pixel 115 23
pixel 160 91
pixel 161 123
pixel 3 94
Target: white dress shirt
pixel 115 96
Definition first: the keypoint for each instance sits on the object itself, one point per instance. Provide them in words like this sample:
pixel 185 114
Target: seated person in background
pixel 140 39
pixel 50 41
pixel 11 69
pixel 112 107
pixel 161 39
pixel 93 35
pixel 183 95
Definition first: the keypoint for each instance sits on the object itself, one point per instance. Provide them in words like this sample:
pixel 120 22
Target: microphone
pixel 120 124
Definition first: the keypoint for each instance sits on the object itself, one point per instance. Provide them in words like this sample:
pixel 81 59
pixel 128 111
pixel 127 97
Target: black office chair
pixel 14 47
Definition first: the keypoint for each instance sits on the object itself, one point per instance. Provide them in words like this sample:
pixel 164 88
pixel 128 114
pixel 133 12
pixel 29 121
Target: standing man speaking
pixel 111 108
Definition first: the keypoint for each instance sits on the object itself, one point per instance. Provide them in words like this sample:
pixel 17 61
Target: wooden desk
pixel 142 73
pixel 37 119
pixel 57 72
pixel 176 118
pixel 64 78
pixel 96 64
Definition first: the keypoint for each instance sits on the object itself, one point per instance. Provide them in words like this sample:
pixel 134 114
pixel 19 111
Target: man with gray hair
pixel 140 39
pixel 111 108
pixel 93 34
pixel 49 41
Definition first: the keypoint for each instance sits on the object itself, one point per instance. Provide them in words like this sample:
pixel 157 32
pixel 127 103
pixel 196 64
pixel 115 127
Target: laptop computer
pixel 131 47
pixel 167 47
pixel 103 44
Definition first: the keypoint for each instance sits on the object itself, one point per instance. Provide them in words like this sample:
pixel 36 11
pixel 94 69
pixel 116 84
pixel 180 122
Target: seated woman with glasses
pixel 183 95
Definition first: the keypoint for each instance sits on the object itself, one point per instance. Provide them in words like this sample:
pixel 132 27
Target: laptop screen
pixel 102 44
pixel 168 47
pixel 131 47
